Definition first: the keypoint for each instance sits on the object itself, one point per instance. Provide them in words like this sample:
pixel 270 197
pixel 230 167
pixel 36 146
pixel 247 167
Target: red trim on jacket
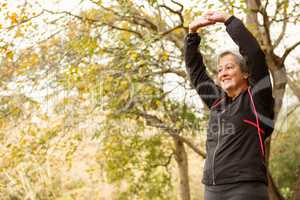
pixel 253 124
pixel 257 124
pixel 217 102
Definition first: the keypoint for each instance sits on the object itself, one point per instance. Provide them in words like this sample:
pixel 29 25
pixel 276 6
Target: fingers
pixel 204 20
pixel 210 18
pixel 207 21
pixel 215 16
pixel 210 15
pixel 209 12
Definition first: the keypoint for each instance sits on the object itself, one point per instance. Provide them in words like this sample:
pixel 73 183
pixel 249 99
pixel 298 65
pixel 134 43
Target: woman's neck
pixel 234 93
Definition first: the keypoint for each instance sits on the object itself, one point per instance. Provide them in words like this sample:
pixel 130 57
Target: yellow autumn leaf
pixel 128 66
pixel 125 36
pixel 133 55
pixel 124 96
pixel 13 18
pixel 157 102
pixel 19 33
pixel 10 54
pixel 109 78
pixel 123 84
pixel 34 59
pixel 165 55
pixel 108 17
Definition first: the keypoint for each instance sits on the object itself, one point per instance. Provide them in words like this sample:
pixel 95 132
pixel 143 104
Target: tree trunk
pixel 274 193
pixel 279 79
pixel 278 73
pixel 182 163
pixel 296 195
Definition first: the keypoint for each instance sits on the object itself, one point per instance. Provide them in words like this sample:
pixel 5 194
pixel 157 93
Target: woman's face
pixel 230 75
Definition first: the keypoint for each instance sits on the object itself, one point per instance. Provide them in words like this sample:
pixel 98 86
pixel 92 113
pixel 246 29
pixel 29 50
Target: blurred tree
pixel 115 62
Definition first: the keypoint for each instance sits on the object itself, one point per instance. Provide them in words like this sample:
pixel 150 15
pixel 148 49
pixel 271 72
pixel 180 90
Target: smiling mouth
pixel 226 80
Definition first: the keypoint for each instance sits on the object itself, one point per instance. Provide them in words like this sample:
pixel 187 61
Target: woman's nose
pixel 222 73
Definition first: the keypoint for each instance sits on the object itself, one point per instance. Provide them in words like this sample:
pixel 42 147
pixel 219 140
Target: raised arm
pixel 249 49
pixel 259 77
pixel 204 85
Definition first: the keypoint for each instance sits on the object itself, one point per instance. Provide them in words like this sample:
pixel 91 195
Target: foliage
pixel 285 164
pixel 89 105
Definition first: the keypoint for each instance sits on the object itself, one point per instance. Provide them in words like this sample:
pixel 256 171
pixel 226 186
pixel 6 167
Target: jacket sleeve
pixel 255 58
pixel 204 85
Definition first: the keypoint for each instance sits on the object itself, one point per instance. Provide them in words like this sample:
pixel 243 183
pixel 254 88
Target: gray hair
pixel 239 59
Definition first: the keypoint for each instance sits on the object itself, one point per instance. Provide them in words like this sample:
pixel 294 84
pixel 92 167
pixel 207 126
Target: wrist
pixel 226 17
pixel 192 31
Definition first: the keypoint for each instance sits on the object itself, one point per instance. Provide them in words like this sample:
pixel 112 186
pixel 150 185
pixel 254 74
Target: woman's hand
pixel 217 16
pixel 199 22
pixel 209 17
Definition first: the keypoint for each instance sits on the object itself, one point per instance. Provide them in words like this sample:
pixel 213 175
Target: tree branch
pixel 24 21
pixel 97 21
pixel 266 25
pixel 180 73
pixel 266 4
pixel 154 121
pixel 191 145
pixel 166 164
pixel 171 30
pixel 70 14
pixel 294 87
pixel 177 12
pixel 136 18
pixel 178 4
pixel 283 30
pixel 278 5
pixel 288 51
pixel 287 19
pixel 124 29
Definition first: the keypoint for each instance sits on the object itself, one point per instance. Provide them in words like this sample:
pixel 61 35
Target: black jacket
pixel 237 128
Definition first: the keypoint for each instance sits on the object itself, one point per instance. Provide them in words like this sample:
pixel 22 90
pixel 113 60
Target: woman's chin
pixel 227 87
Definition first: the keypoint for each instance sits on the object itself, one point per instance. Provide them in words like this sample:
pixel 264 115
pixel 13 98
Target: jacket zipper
pixel 214 155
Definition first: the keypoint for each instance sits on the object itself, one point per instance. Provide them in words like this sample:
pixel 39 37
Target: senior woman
pixel 241 112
